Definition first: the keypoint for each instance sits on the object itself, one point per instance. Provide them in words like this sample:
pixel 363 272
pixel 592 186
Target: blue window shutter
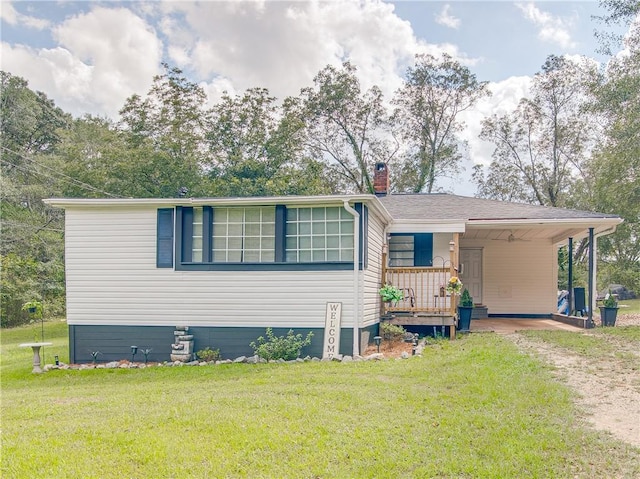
pixel 423 249
pixel 164 238
pixel 186 255
pixel 281 234
pixel 207 234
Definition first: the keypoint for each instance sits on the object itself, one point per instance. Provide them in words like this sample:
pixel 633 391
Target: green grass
pixel 471 408
pixel 598 343
pixel 629 306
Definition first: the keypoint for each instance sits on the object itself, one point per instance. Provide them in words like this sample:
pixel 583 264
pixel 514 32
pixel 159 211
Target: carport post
pixel 591 278
pixel 570 276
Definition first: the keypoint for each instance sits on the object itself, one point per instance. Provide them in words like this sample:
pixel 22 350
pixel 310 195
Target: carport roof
pixel 442 206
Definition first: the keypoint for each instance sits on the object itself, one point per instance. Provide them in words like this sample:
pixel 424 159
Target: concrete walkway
pixel 508 326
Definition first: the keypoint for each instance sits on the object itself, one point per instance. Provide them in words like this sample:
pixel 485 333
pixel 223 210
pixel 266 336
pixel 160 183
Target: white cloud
pixel 551 29
pixel 446 19
pixel 281 46
pixel 504 99
pixel 106 54
pixel 13 17
pixel 102 57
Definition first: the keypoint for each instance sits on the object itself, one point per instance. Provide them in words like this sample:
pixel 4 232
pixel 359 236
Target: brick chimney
pixel 381 179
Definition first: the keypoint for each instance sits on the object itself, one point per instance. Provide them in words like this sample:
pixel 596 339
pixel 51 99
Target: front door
pixel 470 272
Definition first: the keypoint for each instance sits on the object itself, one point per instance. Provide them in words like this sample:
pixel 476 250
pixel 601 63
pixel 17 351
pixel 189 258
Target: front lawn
pixel 470 408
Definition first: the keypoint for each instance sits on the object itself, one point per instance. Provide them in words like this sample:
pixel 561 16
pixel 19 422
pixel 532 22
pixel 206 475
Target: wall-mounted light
pixel 452 246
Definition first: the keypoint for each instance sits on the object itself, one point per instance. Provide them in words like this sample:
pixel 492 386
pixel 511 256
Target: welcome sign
pixel 332 322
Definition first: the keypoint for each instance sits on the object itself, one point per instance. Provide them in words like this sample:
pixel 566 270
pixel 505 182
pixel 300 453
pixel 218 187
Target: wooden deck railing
pixel 423 288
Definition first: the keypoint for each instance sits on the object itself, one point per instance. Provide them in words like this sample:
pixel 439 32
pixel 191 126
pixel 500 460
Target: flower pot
pixel 464 317
pixel 608 316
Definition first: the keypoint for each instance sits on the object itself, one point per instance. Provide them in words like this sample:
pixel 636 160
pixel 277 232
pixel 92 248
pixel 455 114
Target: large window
pixel 244 235
pixel 270 237
pixel 319 235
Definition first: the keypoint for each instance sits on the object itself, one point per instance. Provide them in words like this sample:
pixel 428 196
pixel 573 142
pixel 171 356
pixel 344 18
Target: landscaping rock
pixel 374 357
pixel 240 359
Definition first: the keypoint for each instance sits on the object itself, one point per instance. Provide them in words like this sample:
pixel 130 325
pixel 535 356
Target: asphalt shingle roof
pixel 441 206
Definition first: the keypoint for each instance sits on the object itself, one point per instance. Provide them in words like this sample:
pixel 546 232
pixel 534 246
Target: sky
pixel 89 57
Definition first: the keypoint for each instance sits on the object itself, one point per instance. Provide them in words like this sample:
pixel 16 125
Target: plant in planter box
pixel 609 310
pixel 391 294
pixel 465 310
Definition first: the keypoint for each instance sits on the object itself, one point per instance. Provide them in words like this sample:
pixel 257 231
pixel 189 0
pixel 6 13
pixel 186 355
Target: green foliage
pixel 34 308
pixel 540 147
pixel 392 332
pixel 610 301
pixel 286 347
pixel 208 354
pixel 465 299
pixel 344 126
pixel 390 293
pixel 444 88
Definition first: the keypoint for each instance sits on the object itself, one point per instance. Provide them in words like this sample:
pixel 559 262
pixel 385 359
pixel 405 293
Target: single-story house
pixel 230 267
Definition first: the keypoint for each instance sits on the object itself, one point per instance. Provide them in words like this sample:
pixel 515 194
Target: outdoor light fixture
pixel 146 354
pixel 134 350
pixel 377 340
pixel 452 246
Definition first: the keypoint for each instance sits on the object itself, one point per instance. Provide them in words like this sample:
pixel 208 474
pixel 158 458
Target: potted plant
pixel 35 310
pixel 391 294
pixel 465 310
pixel 609 310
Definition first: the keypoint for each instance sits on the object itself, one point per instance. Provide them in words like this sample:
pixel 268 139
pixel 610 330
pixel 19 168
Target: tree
pixel 427 112
pixel 344 126
pixel 166 135
pixel 543 145
pixel 614 173
pixel 31 243
pixel 257 151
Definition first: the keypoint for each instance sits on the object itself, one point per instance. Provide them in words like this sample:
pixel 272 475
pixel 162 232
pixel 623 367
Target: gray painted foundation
pixel 114 342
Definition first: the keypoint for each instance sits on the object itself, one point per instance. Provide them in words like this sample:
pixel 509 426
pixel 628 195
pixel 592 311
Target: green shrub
pixel 208 354
pixel 391 294
pixel 466 300
pixel 392 332
pixel 281 347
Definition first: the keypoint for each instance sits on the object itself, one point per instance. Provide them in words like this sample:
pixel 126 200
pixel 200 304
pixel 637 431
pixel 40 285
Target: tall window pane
pixel 319 235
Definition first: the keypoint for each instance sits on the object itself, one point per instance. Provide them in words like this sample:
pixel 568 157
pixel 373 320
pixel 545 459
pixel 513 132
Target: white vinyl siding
pixel 112 279
pixel 518 277
pixel 372 276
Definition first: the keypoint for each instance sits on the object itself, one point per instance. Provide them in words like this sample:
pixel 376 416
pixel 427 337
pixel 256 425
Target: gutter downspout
pixel 356 282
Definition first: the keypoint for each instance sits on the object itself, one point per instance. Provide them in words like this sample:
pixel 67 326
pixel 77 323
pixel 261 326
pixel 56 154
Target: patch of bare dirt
pixel 390 349
pixel 608 389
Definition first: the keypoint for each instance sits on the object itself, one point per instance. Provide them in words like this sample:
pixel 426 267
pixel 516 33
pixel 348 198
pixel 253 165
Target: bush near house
pixel 286 347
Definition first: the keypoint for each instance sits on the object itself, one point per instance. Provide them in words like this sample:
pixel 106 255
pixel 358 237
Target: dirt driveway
pixel 608 389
